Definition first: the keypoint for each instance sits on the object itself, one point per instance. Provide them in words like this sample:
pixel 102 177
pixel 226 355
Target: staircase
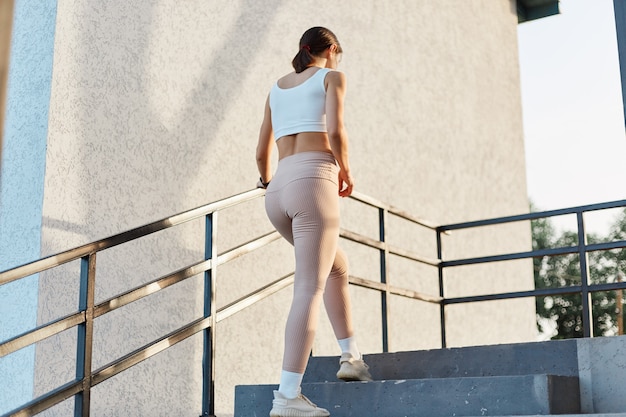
pixel 501 380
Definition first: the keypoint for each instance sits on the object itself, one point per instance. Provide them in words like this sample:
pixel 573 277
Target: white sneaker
pixel 351 369
pixel 300 406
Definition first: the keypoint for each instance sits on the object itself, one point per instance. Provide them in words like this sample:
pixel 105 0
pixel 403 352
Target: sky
pixel 573 113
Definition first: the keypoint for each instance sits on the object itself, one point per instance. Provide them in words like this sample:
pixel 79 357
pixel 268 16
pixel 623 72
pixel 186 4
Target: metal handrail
pixel 582 249
pixel 391 209
pixel 88 310
pixel 125 237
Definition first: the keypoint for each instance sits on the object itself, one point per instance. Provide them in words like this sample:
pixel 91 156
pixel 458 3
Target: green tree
pixel 565 311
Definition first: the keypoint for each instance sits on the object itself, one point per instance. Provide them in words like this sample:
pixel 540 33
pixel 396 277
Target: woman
pixel 304 114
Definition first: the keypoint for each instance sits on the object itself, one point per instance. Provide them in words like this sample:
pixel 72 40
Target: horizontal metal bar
pixel 254 297
pixel 370 201
pixel 248 247
pixel 537 293
pixel 81 251
pixel 374 285
pixel 366 283
pixel 149 350
pixel 511 256
pixel 609 286
pixel 46 401
pixel 40 333
pixel 606 246
pixel 412 256
pixel 517 294
pixel 535 254
pixel 534 215
pixel 415 295
pixel 364 240
pixel 391 209
pixel 151 288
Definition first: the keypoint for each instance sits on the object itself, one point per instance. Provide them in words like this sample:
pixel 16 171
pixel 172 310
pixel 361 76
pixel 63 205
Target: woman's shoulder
pixel 334 77
pixel 336 73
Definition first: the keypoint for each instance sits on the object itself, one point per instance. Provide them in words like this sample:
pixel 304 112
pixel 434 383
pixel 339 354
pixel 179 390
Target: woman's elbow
pixel 335 134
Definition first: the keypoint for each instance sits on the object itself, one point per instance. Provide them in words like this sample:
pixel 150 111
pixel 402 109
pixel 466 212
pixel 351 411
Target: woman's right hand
pixel 346 183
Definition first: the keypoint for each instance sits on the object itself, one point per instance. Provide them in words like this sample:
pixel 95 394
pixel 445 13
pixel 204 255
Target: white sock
pixel 349 346
pixel 290 384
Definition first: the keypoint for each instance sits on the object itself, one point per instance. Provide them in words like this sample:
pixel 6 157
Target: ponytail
pixel 302 59
pixel 312 43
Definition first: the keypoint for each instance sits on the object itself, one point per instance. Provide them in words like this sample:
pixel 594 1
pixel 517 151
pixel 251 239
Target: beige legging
pixel 302 203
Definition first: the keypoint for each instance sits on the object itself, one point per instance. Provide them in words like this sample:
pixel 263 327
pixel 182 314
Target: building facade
pixel 122 113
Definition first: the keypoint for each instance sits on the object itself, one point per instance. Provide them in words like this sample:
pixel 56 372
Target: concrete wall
pixel 155 108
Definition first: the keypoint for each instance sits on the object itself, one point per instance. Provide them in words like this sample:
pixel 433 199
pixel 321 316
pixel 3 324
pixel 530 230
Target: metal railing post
pixel 384 254
pixel 587 314
pixel 210 310
pixel 442 304
pixel 82 403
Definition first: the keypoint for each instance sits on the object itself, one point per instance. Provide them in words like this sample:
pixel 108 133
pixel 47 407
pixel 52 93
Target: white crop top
pixel 301 108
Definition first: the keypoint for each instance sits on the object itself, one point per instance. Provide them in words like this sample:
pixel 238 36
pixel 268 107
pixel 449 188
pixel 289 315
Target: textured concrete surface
pixel 602 364
pixel 513 395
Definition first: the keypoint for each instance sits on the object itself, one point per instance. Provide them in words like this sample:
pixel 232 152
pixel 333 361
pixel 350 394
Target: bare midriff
pixel 303 142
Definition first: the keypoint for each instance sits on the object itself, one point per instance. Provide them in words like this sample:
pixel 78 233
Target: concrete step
pixel 553 357
pixel 434 397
